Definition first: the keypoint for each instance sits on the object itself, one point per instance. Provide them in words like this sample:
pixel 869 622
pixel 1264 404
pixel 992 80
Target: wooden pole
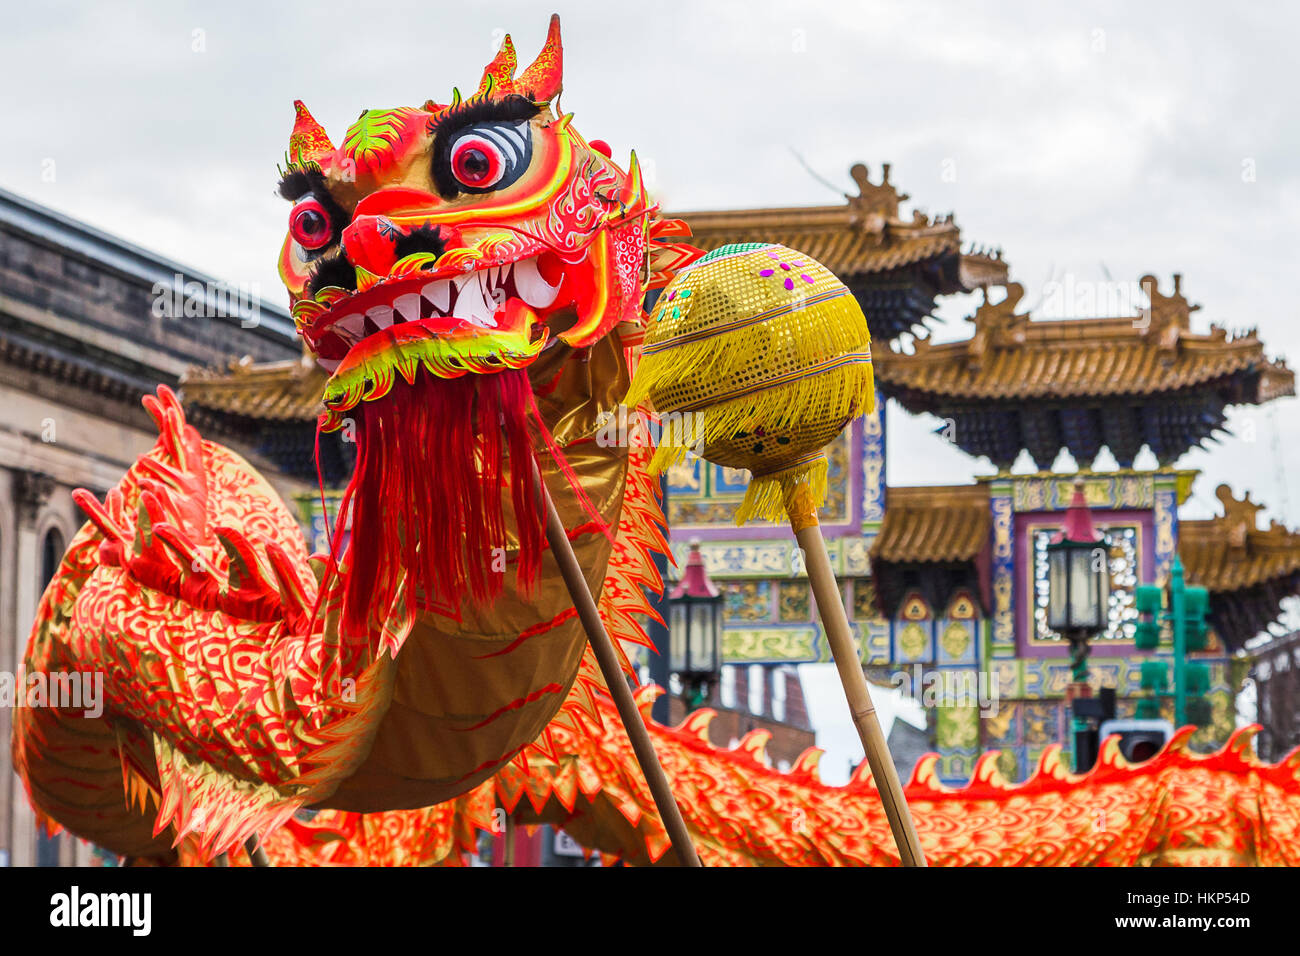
pixel 508 842
pixel 830 605
pixel 603 646
pixel 256 855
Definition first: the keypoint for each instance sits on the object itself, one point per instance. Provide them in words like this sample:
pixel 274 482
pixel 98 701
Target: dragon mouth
pixel 444 306
pixel 478 321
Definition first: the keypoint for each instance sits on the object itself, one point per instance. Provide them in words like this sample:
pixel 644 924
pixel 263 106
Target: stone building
pixel 88 324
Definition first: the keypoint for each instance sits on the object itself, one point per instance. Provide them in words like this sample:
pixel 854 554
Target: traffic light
pixel 1196 605
pixel 1139 740
pixel 1148 708
pixel 1199 711
pixel 1148 599
pixel 1198 677
pixel 1155 676
pixel 1197 708
pixel 1185 612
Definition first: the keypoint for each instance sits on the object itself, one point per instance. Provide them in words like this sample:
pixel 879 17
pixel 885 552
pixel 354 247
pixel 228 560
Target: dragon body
pixel 1178 809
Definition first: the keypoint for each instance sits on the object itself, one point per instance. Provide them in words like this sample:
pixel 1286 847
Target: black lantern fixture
pixel 695 629
pixel 1078 582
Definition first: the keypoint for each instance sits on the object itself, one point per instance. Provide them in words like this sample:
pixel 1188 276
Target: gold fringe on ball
pixel 793 334
pixel 766 496
pixel 838 390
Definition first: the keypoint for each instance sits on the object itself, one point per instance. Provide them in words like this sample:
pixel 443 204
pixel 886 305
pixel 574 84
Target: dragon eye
pixel 476 163
pixel 309 224
pixel 488 155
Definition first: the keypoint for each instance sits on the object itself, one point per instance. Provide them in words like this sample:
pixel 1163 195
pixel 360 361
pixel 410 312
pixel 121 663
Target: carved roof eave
pixel 939 525
pixel 950 370
pixel 864 236
pixel 1231 553
pixel 981 270
pixel 272 391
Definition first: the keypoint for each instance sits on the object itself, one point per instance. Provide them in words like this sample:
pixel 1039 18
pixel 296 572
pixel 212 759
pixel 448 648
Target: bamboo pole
pixel 603 646
pixel 830 605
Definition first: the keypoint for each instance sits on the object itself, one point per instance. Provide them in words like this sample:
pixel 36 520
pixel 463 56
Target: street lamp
pixel 1078 582
pixel 1078 591
pixel 695 629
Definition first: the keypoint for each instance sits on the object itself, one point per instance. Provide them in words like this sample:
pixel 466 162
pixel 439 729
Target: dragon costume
pixel 471 275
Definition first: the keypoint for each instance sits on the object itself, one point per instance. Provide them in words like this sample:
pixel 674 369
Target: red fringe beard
pixel 434 461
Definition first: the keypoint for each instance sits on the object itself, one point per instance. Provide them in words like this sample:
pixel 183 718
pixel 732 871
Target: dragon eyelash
pixel 478 109
pixel 298 179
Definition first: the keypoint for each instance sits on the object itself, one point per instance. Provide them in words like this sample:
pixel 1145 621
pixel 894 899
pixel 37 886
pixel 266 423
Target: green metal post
pixel 1180 643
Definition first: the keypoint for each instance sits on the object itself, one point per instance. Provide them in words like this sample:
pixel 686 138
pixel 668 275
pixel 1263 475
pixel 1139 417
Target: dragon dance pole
pixel 802 512
pixel 256 853
pixel 607 657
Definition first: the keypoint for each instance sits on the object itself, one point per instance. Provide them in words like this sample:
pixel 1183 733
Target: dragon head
pixel 464 238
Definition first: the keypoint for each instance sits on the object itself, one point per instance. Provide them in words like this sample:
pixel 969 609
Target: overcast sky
pixel 1091 141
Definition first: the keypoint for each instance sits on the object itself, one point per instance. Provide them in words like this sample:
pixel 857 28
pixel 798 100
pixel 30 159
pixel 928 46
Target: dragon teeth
pixel 350 328
pixel 381 316
pixel 471 301
pixel 408 306
pixel 531 287
pixel 438 295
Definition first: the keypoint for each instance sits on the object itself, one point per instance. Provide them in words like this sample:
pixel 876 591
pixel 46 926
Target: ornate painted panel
pixel 1003 570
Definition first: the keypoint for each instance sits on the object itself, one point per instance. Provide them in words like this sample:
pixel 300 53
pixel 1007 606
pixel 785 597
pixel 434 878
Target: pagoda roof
pixel 1246 569
pixel 1011 357
pixel 1122 382
pixel 934 540
pixel 288 391
pixel 939 523
pixel 863 241
pixel 274 407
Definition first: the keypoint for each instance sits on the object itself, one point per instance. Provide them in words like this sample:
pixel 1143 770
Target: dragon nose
pixel 373 240
pixel 370 243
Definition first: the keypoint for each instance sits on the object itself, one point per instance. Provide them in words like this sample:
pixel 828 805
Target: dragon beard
pixel 435 461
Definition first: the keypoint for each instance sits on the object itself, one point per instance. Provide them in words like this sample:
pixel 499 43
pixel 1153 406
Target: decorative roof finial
pixel 695 580
pixel 1078 518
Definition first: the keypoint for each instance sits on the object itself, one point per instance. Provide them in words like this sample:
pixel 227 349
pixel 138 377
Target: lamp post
pixel 1078 582
pixel 1078 588
pixel 695 629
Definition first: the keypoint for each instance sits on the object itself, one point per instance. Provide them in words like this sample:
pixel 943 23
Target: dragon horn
pixel 541 81
pixel 308 142
pixel 500 73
